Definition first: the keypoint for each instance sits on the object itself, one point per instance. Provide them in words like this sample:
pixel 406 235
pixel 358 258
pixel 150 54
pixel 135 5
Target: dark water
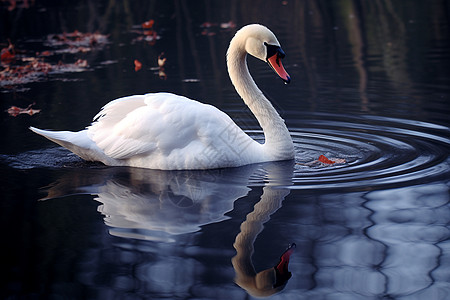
pixel 370 84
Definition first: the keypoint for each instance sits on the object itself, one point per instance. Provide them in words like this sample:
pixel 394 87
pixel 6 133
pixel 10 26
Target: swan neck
pixel 278 142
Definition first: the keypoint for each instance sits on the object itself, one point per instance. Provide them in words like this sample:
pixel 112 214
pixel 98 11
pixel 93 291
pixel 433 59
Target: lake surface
pixel 370 86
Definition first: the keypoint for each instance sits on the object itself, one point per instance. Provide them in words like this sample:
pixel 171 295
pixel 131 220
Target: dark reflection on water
pixel 370 85
pixel 172 234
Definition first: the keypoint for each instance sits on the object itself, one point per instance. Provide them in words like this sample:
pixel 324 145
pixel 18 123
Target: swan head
pixel 260 42
pixel 269 281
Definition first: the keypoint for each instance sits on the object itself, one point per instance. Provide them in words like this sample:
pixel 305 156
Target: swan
pixel 171 132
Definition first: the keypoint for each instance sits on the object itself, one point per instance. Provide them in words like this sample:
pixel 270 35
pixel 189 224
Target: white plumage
pixel 171 132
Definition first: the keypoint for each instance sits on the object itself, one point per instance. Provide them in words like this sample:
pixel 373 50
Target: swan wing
pixel 161 126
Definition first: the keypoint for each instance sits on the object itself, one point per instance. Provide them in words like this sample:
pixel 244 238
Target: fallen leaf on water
pixel 146 33
pixel 148 24
pixel 82 63
pixel 76 39
pixel 228 25
pixel 44 53
pixel 161 60
pixel 36 69
pixel 321 161
pixel 162 74
pixel 211 29
pixel 15 111
pixel 137 65
pixel 208 25
pixel 208 33
pixel 21 67
pixel 325 160
pixel 7 54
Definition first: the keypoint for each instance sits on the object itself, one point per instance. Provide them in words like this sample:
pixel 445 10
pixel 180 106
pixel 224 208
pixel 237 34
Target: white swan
pixel 170 132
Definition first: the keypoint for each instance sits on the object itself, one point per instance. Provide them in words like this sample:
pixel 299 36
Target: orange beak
pixel 275 62
pixel 281 269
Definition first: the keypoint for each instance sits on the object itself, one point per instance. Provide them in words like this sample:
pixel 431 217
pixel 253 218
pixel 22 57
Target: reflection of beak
pixel 275 62
pixel 281 269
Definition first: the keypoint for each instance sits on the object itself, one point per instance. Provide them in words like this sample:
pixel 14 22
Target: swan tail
pixel 77 142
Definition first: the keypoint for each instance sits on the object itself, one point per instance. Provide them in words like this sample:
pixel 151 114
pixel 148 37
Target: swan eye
pixel 272 50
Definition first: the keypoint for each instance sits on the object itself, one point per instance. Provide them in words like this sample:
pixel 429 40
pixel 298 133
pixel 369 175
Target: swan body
pixel 170 132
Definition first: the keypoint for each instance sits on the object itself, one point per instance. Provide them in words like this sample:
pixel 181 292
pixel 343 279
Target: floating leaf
pixel 228 25
pixel 148 24
pixel 208 25
pixel 45 53
pixel 162 74
pixel 207 32
pixel 210 29
pixel 76 39
pixel 36 69
pixel 161 60
pixel 7 54
pixel 137 65
pixel 32 67
pixel 82 63
pixel 146 33
pixel 15 111
pixel 323 159
pixel 322 162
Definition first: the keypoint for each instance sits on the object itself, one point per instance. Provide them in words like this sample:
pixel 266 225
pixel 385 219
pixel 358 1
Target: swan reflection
pixel 163 205
pixel 271 280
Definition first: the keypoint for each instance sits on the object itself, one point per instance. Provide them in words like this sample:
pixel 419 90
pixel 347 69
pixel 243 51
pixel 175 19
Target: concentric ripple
pixel 378 151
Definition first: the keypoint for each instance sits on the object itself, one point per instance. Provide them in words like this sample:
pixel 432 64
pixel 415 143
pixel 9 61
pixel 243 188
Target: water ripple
pixel 378 151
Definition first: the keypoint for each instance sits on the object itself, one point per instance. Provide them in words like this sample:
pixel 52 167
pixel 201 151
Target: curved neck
pixel 278 143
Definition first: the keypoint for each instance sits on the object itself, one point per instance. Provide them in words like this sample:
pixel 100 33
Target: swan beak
pixel 281 269
pixel 275 62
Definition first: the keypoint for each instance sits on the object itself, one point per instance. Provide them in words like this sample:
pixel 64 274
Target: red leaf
pixel 207 25
pixel 15 111
pixel 7 54
pixel 81 63
pixel 148 24
pixel 137 65
pixel 323 159
pixel 44 53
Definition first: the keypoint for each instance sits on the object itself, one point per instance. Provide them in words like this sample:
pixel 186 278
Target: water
pixel 370 85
